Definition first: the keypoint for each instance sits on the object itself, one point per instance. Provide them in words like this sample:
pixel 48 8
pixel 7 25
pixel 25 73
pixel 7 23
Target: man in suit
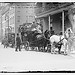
pixel 5 42
pixel 51 31
pixel 18 42
pixel 22 33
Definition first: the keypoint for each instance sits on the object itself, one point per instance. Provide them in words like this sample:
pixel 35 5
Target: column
pixel 49 22
pixel 63 22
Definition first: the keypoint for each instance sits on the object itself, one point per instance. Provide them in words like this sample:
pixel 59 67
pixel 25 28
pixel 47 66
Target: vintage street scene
pixel 37 36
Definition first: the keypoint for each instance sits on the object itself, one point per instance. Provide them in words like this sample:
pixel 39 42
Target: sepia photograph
pixel 37 37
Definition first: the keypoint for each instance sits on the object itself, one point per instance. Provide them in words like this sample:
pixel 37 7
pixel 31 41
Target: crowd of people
pixel 8 40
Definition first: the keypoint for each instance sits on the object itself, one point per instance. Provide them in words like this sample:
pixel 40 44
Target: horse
pixel 56 42
pixel 70 38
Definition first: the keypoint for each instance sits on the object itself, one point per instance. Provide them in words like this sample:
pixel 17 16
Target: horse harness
pixel 59 43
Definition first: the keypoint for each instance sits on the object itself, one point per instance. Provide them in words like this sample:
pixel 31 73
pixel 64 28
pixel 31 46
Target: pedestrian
pixel 51 31
pixel 2 43
pixel 18 42
pixel 5 42
pixel 13 41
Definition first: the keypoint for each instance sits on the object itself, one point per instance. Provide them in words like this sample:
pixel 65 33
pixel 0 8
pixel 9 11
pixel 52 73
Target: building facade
pixel 24 13
pixel 56 15
pixel 15 14
pixel 0 25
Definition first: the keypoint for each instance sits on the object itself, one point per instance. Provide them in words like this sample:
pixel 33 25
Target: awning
pixel 44 14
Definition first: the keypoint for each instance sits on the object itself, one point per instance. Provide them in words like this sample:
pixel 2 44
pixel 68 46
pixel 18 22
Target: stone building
pixel 15 14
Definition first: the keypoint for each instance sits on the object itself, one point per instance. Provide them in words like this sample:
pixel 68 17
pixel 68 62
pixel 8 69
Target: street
pixel 34 61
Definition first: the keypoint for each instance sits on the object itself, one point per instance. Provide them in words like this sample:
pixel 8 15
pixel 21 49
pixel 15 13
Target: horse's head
pixel 68 33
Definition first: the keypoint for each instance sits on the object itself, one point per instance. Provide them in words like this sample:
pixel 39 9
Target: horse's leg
pixel 65 48
pixel 25 46
pixel 38 48
pixel 27 43
pixel 69 47
pixel 59 50
pixel 48 48
pixel 45 46
pixel 44 49
pixel 52 49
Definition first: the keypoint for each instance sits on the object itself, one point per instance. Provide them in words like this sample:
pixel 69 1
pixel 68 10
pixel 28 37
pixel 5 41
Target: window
pixel 31 7
pixel 11 20
pixel 26 7
pixel 18 11
pixel 19 7
pixel 18 18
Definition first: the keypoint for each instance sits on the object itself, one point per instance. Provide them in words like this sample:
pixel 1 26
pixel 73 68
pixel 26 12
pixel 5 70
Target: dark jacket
pixel 52 32
pixel 18 41
pixel 46 33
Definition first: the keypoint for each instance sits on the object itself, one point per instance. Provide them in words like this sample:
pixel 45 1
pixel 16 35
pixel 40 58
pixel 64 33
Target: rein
pixel 61 40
